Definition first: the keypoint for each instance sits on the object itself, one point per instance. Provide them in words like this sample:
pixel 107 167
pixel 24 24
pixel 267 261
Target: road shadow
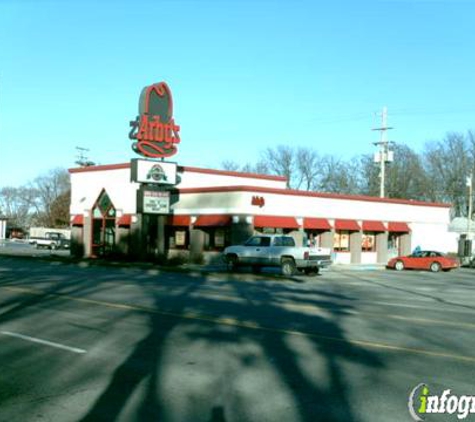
pixel 230 326
pixel 244 339
pixel 415 293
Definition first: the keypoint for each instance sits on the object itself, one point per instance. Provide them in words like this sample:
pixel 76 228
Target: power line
pixel 81 158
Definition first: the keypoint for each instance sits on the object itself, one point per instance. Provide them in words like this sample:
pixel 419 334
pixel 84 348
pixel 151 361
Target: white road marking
pixel 45 342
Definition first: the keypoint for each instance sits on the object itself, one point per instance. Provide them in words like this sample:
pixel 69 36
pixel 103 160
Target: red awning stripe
pixel 78 220
pixel 125 220
pixel 213 221
pixel 179 220
pixel 373 226
pixel 316 224
pixel 398 227
pixel 350 225
pixel 275 222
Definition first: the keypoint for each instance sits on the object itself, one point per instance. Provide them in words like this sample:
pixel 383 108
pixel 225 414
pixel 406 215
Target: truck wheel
pixel 232 262
pixel 312 271
pixel 288 267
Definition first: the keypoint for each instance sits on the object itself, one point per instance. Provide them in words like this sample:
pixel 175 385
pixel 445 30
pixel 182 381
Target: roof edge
pixel 293 192
pixel 105 167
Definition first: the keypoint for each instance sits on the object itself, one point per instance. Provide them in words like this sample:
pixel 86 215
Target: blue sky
pixel 245 75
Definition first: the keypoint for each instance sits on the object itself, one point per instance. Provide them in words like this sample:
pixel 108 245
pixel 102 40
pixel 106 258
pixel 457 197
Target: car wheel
pixel 288 267
pixel 435 267
pixel 232 262
pixel 399 266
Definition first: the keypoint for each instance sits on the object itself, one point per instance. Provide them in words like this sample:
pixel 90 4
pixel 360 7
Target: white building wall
pixel 87 185
pixel 341 258
pixel 369 257
pixel 434 236
pixel 429 224
pixel 307 206
pixel 350 209
pixel 201 178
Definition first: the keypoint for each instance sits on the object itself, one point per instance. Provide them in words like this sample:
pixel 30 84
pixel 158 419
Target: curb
pixel 184 268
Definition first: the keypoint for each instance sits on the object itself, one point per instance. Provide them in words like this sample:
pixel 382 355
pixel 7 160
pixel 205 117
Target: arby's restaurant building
pixel 153 207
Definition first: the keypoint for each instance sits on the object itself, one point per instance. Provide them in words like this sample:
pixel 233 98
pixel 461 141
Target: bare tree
pixel 281 161
pixel 14 205
pixel 438 174
pixel 448 163
pixel 369 174
pixel 230 165
pixel 59 210
pixel 45 201
pixel 339 176
pixel 308 172
pixel 49 188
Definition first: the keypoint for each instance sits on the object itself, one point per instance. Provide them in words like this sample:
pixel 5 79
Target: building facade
pixel 211 209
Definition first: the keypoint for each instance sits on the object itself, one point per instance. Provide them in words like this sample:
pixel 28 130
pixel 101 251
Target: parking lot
pixel 23 248
pixel 87 342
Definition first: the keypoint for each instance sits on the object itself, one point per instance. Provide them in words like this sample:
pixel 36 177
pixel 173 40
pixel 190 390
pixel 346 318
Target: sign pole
pixel 155 136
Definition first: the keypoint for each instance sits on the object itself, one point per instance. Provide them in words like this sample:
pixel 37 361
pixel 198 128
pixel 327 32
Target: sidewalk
pixel 358 267
pixel 185 268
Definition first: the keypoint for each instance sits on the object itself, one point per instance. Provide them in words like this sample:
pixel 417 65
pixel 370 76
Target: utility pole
pixel 470 200
pixel 82 159
pixel 383 155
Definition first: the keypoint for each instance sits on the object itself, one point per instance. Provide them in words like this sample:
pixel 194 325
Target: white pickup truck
pixel 277 251
pixel 51 240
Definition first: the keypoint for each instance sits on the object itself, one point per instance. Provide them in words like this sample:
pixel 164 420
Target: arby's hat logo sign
pixel 154 131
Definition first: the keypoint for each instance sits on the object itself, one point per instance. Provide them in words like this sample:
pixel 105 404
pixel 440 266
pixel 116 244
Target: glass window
pixel 178 238
pixel 265 241
pixel 368 242
pixel 288 241
pixel 393 241
pixel 219 238
pixel 104 202
pixel 314 239
pixel 96 231
pixel 341 241
pixel 254 241
pixel 103 226
pixel 216 238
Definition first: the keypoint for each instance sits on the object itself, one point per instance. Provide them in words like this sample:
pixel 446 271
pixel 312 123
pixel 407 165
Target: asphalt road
pixel 23 248
pixel 91 343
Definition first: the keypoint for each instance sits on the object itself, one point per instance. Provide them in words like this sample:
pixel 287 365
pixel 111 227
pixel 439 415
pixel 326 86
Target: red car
pixel 423 260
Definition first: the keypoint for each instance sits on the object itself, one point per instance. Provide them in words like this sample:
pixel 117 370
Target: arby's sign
pixel 154 131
